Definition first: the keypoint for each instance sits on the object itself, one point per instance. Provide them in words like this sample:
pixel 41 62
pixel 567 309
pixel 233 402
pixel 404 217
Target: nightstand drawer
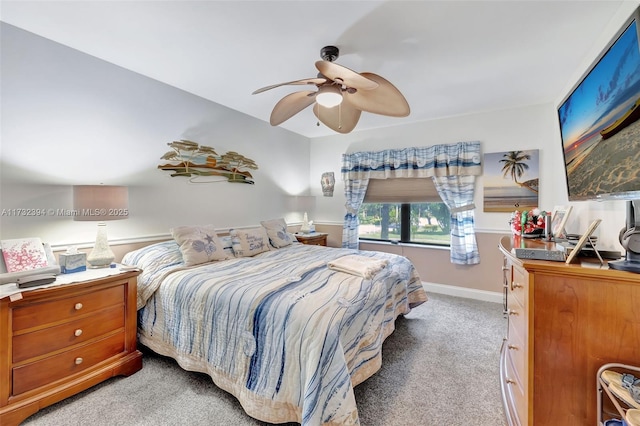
pixel 52 339
pixel 37 315
pixel 48 370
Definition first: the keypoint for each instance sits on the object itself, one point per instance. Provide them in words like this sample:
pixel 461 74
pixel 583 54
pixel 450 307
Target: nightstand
pixel 58 341
pixel 314 239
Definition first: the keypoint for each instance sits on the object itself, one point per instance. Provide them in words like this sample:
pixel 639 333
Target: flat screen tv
pixel 600 122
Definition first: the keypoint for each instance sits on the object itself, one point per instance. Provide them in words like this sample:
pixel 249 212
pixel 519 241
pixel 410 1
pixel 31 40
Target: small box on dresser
pixel 71 263
pixel 58 341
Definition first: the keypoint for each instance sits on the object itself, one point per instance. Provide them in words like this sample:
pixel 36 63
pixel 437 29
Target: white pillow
pixel 249 242
pixel 199 244
pixel 277 232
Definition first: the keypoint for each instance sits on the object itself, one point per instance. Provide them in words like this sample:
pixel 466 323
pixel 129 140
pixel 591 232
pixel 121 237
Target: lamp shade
pixel 301 203
pixel 100 202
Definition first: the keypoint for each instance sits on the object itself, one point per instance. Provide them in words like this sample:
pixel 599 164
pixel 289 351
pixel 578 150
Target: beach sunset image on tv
pixel 600 124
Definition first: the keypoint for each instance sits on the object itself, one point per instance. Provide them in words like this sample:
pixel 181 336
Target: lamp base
pixel 305 228
pixel 101 256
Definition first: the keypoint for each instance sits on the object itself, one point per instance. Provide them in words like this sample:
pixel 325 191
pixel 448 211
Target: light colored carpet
pixel 440 367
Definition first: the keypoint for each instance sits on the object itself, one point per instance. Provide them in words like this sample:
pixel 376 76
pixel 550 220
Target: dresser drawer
pixel 517 315
pixel 53 311
pixel 55 338
pixel 519 285
pixel 516 392
pixel 517 354
pixel 48 370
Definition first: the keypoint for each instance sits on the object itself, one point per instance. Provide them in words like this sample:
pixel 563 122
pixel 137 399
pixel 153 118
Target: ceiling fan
pixel 341 95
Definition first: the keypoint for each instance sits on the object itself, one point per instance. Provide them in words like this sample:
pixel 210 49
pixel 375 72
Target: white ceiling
pixel 447 57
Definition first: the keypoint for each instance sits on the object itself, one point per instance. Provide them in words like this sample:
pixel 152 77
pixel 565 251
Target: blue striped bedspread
pixel 283 333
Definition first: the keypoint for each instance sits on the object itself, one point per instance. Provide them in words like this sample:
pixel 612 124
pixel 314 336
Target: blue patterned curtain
pixel 354 190
pixel 457 193
pixel 437 161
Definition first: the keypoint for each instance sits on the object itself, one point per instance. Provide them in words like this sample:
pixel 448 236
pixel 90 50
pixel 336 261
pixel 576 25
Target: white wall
pixel 69 118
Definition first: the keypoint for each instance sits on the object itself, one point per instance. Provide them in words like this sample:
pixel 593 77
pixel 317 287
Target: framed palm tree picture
pixel 510 180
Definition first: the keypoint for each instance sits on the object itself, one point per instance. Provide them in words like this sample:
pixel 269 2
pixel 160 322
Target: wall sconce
pixel 327 182
pixel 100 203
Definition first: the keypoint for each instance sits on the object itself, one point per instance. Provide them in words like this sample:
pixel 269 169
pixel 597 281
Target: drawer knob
pixel 512 312
pixel 513 347
pixel 78 361
pixel 505 268
pixel 516 285
pixel 78 332
pixel 510 381
pixel 78 306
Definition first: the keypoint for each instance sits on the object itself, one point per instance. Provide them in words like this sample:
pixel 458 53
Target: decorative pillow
pixel 249 242
pixel 277 232
pixel 199 244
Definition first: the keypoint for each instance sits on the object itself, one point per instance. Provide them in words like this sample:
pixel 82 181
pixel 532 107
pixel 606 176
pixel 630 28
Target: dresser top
pixel 580 266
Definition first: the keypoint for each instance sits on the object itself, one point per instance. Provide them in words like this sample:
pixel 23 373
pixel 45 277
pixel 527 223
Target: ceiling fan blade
pixel 385 100
pixel 290 105
pixel 350 78
pixel 317 81
pixel 341 118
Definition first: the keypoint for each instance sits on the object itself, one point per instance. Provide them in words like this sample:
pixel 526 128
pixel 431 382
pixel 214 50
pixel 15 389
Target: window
pixel 423 223
pixel 405 210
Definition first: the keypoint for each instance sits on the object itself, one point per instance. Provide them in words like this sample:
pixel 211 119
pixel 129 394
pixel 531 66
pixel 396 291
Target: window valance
pixel 458 159
pixel 451 167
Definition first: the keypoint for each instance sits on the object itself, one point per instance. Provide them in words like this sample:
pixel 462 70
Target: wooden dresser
pixel 564 323
pixel 58 341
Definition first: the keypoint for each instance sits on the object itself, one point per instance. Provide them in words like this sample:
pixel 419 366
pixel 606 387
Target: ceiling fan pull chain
pixel 340 115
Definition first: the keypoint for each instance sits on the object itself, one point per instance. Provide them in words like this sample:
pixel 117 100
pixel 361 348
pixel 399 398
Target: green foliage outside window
pixel 429 223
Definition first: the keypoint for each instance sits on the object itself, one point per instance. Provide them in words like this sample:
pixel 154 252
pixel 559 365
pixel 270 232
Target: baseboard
pixel 469 293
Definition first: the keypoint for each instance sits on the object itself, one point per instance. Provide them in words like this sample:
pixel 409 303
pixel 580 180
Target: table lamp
pixel 100 203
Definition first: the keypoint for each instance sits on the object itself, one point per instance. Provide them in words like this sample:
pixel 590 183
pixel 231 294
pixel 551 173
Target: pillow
pixel 199 244
pixel 277 232
pixel 249 242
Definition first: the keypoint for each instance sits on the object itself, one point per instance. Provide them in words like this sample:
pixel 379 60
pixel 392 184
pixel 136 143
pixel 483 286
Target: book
pixel 23 254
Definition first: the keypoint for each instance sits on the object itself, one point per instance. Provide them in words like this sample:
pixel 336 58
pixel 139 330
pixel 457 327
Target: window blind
pixel 402 190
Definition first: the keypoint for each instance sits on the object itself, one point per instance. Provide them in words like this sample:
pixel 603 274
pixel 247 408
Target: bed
pixel 282 330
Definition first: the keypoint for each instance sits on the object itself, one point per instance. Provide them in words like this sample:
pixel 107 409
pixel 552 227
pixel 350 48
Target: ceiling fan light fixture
pixel 329 96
